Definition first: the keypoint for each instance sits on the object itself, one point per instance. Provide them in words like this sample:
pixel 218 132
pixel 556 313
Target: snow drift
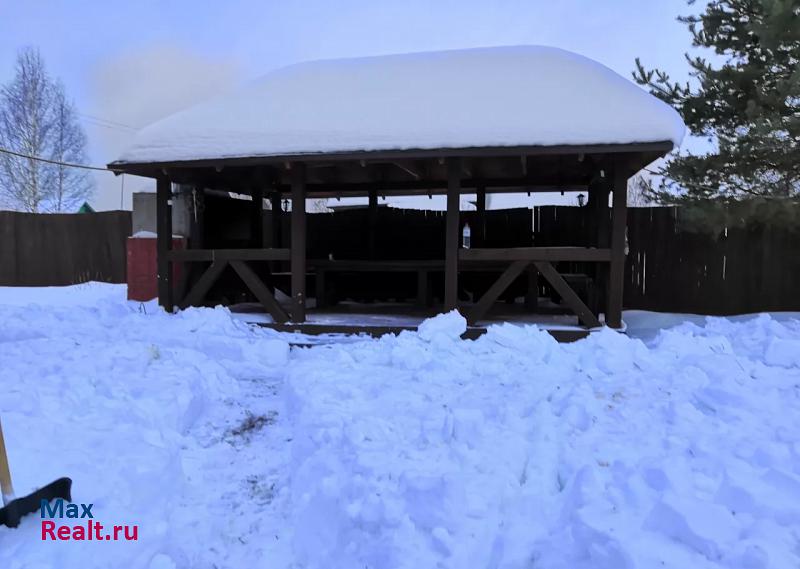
pixel 230 449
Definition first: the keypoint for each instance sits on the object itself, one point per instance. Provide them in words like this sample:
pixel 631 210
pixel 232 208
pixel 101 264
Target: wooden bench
pixel 423 270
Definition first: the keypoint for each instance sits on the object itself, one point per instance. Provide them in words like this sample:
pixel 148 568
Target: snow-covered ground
pixel 229 448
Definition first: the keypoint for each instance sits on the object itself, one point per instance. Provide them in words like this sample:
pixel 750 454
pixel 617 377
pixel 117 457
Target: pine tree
pixel 745 100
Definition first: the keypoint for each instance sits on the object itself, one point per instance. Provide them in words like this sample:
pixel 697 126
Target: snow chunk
pixel 446 99
pixel 449 325
pixel 783 353
pixel 708 528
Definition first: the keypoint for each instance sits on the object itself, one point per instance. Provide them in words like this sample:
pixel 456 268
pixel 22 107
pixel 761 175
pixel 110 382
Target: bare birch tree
pixel 37 120
pixel 70 186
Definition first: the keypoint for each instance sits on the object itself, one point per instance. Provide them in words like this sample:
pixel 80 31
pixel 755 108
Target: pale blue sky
pixel 134 62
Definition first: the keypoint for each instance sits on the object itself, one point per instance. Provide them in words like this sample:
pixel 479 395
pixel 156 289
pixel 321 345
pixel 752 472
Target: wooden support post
pixel 451 237
pixel 601 211
pixel 197 218
pixel 275 217
pixel 298 242
pixel 532 292
pixel 597 208
pixel 422 288
pixel 480 230
pixel 319 283
pixel 373 221
pixel 616 271
pixel 257 217
pixel 272 235
pixel 164 241
pixel 196 239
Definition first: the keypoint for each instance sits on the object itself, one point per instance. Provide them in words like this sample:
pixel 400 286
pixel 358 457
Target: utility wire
pixel 56 162
pixel 90 122
pixel 109 121
pixel 98 121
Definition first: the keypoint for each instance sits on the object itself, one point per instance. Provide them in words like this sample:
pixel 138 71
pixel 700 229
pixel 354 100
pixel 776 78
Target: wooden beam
pixel 576 254
pixel 585 315
pixel 409 167
pixel 298 242
pixel 148 168
pixel 203 284
pixel 164 242
pixel 501 284
pixel 472 332
pixel 260 290
pixel 616 271
pixel 195 255
pixel 451 235
pixel 437 185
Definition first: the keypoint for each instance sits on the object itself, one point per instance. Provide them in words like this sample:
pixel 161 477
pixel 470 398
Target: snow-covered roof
pixel 487 97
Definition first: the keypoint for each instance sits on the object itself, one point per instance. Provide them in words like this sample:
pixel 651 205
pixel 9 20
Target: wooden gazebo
pixel 519 119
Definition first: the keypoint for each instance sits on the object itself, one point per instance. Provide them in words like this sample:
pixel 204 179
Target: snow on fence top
pixel 503 96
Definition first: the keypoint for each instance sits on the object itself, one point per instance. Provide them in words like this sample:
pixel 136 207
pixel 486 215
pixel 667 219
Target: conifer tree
pixel 744 98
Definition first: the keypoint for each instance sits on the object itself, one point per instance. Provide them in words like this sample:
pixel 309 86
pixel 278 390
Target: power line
pixel 94 117
pixel 103 125
pixel 98 121
pixel 56 162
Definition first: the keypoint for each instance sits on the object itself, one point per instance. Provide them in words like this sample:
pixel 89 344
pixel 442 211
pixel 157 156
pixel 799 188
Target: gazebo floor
pixel 377 319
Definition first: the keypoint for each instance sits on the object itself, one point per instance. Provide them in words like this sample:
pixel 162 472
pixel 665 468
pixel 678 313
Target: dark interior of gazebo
pixel 397 261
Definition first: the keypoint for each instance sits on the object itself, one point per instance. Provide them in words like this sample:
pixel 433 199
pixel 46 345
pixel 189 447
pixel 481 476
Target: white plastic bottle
pixel 465 236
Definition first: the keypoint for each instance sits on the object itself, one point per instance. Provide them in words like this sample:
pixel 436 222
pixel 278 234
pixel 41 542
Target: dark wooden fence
pixel 716 268
pixel 62 249
pixel 748 267
pixel 706 268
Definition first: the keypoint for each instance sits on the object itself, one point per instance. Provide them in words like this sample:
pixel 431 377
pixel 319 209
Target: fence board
pixel 63 249
pixel 719 271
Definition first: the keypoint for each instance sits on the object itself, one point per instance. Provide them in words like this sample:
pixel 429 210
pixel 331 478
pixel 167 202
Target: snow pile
pixel 137 409
pixel 502 96
pixel 427 451
pixel 229 449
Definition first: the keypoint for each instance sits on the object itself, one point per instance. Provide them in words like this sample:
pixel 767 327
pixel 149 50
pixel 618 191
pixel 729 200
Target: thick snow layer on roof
pixel 502 96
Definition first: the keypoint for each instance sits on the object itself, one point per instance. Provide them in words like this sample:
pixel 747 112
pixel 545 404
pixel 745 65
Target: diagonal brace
pixel 585 315
pixel 203 284
pixel 260 290
pixel 501 284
